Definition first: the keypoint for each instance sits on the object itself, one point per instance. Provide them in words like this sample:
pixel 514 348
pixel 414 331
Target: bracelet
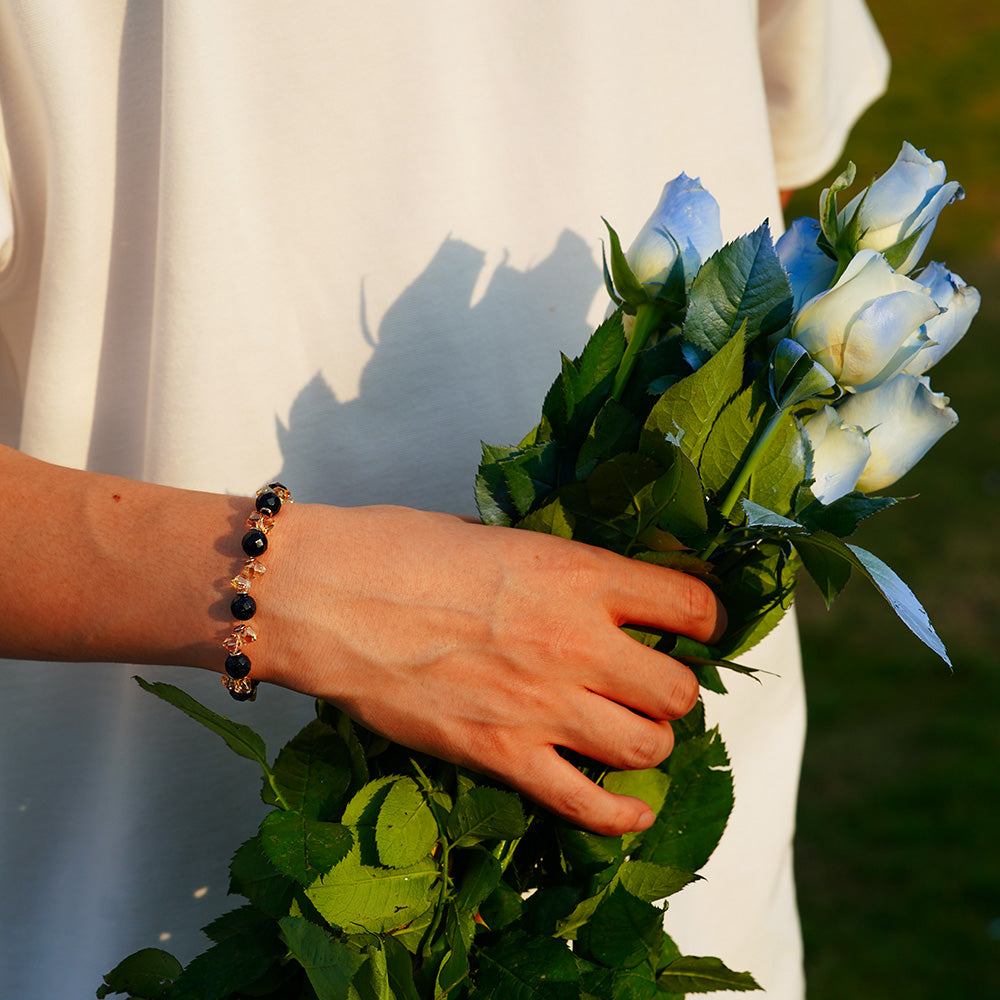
pixel 244 607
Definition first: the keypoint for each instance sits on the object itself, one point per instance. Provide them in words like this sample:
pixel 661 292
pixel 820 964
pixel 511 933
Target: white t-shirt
pixel 248 239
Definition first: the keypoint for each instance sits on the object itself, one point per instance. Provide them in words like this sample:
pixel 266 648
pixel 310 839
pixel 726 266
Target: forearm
pixel 98 567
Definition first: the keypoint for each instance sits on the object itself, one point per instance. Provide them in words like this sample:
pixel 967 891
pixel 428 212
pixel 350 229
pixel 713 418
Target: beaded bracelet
pixel 244 607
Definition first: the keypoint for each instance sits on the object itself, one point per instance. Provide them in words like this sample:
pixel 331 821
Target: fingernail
pixel 645 820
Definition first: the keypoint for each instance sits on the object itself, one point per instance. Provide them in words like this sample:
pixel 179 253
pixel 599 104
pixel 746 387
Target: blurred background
pixel 898 857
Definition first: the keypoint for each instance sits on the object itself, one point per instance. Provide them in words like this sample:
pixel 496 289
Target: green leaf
pixel 651 785
pixel 372 982
pixel 842 517
pixel 239 738
pixel 588 852
pixel 691 974
pixel 794 377
pixel 486 813
pixel 623 930
pixel 501 907
pixel 583 385
pixel 359 897
pixel 303 848
pixel 476 874
pixel 781 469
pixel 231 966
pixel 242 920
pixel 530 475
pixel 367 801
pixel 148 973
pixel 405 831
pixel 627 285
pixel 743 282
pixel 614 430
pixel 552 518
pixel 313 771
pixel 689 826
pixel 527 968
pixel 651 882
pixel 400 969
pixel 329 963
pixel 902 600
pixel 252 875
pixel 730 442
pixel 829 567
pixel 828 216
pixel 687 411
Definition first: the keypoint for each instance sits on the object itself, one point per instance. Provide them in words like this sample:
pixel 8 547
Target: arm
pixel 486 646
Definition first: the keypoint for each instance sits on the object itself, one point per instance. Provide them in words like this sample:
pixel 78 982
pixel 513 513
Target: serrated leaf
pixel 651 882
pixel 552 518
pixel 829 568
pixel 252 875
pixel 902 600
pixel 231 966
pixel 762 517
pixel 781 469
pixel 486 813
pixel 622 931
pixel 588 852
pixel 238 921
pixel 692 974
pixel 477 873
pixel 530 475
pixel 372 981
pixel 329 964
pixel 240 739
pixel 638 983
pixel 689 826
pixel 405 831
pixel 842 517
pixel 615 429
pixel 359 897
pixel 650 784
pixel 743 282
pixel 730 442
pixel 303 848
pixel 687 411
pixel 148 973
pixel 527 968
pixel 364 805
pixel 573 401
pixel 313 771
pixel 502 907
pixel 400 969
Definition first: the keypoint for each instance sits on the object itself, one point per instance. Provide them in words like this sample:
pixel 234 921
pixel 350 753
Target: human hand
pixel 488 647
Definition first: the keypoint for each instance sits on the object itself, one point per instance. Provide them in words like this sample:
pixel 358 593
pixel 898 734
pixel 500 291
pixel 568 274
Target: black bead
pixel 268 502
pixel 243 607
pixel 278 486
pixel 254 542
pixel 238 665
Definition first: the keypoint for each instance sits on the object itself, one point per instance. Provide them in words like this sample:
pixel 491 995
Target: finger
pixel 554 783
pixel 614 735
pixel 643 594
pixel 645 680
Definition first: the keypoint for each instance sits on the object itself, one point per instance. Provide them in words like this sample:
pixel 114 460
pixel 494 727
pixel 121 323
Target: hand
pixel 485 646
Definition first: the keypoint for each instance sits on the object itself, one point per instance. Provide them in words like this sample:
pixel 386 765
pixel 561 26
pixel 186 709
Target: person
pixel 339 248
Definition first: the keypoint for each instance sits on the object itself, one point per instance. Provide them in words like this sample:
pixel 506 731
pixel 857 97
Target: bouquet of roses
pixel 731 418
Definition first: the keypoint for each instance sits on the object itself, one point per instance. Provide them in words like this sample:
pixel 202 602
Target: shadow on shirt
pixel 447 372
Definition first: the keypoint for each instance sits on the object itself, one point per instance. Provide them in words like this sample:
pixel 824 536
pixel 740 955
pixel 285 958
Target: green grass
pixel 897 854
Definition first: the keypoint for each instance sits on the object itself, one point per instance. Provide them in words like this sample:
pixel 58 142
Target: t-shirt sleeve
pixel 824 63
